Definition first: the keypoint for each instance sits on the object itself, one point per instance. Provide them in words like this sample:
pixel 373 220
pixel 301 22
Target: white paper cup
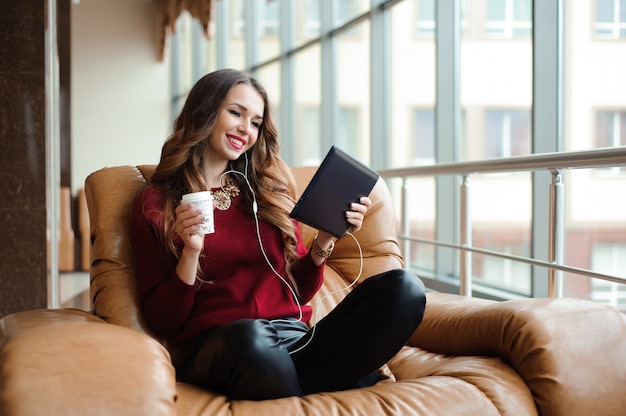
pixel 204 201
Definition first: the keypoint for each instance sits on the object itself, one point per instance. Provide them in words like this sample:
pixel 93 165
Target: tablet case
pixel 339 181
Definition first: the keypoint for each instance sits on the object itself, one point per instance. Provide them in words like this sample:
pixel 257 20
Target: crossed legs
pixel 250 359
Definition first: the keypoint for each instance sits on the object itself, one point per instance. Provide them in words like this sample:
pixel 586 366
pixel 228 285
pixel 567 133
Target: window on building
pixel 508 18
pixel 349 9
pixel 507 133
pixel 237 19
pixel 609 259
pixel 310 20
pixel 610 128
pixel 610 132
pixel 425 18
pixel 610 19
pixel 269 18
pixel 504 273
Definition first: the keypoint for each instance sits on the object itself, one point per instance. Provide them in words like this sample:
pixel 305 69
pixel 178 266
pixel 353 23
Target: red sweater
pixel 242 285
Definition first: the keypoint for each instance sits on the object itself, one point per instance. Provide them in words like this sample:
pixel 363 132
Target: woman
pixel 231 305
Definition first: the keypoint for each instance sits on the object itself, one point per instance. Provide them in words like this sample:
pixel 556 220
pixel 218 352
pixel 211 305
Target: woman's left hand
pixel 356 214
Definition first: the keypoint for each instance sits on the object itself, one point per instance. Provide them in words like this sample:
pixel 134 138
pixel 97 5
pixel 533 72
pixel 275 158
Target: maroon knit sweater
pixel 241 283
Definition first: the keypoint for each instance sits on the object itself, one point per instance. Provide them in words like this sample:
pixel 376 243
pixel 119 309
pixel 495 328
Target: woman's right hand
pixel 187 220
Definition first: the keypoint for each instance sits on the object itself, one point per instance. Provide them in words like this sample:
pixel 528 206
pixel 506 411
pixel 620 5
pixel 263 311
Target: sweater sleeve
pixel 307 274
pixel 166 300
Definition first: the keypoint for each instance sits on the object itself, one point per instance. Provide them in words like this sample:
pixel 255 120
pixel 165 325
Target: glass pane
pixel 349 9
pixel 308 20
pixel 500 207
pixel 495 76
pixel 412 89
pixel 423 149
pixel 594 117
pixel 594 89
pixel 595 222
pixel 353 90
pixel 208 54
pixel 419 256
pixel 269 29
pixel 347 124
pixel 308 86
pixel 236 55
pixel 182 46
pixel 609 259
pixel 269 77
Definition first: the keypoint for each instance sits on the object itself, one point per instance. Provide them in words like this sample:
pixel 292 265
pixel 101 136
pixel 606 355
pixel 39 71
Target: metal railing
pixel 554 163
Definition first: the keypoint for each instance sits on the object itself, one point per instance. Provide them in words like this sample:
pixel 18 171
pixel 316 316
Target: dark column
pixel 23 246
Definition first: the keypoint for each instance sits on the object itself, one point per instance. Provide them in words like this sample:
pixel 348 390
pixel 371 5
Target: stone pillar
pixel 23 233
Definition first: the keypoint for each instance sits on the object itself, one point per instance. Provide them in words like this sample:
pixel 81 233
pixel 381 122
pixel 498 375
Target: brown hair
pixel 182 165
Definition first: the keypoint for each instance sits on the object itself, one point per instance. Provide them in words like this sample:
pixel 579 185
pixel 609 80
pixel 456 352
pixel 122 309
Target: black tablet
pixel 339 181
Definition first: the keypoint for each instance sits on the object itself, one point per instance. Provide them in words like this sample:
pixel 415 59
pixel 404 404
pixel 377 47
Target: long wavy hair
pixel 183 162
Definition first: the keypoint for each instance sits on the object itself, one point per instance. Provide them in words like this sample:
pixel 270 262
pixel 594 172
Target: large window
pixel 397 85
pixel 496 95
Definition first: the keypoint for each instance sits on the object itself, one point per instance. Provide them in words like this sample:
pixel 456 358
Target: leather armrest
pixel 71 362
pixel 569 351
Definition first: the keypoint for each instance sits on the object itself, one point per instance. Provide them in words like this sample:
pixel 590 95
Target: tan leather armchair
pixel 469 356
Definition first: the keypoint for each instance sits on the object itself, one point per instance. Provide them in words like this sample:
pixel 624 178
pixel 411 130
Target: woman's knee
pixel 250 336
pixel 404 282
pixel 409 291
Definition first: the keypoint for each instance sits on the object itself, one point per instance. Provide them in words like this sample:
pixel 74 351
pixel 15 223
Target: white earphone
pixel 269 263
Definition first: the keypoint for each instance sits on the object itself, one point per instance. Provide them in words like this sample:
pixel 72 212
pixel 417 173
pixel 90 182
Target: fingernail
pixel 199 211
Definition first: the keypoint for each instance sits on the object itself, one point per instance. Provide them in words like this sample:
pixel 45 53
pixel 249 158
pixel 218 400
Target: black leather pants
pixel 250 359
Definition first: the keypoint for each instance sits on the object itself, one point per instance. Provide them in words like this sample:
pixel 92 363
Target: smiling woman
pixel 231 303
pixel 236 130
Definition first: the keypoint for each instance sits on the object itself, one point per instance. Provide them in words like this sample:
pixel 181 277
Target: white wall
pixel 120 91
